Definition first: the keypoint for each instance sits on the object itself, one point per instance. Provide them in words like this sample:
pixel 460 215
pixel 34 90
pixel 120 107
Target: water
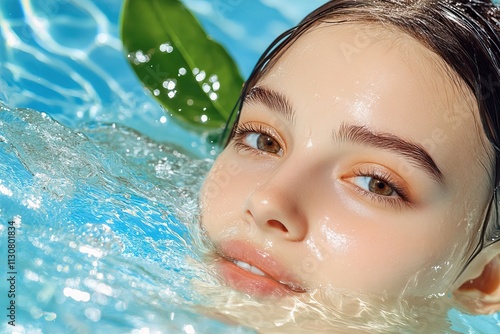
pixel 97 238
pixel 100 184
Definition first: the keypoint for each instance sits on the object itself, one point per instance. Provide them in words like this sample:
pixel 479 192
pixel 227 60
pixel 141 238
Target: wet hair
pixel 464 33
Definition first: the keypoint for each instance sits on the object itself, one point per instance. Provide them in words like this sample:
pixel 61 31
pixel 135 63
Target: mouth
pixel 254 272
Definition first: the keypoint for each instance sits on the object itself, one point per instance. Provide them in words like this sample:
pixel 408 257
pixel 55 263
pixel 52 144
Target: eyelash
pixel 401 201
pixel 244 129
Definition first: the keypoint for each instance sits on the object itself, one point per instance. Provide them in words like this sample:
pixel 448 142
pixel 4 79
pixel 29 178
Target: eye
pixel 381 186
pixel 258 138
pixel 262 142
pixel 375 185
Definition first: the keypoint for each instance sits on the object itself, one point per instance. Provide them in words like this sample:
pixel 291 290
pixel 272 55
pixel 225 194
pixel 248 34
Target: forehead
pixel 368 56
pixel 386 80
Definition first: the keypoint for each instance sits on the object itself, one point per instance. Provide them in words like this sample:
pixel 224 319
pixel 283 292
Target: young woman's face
pixel 358 164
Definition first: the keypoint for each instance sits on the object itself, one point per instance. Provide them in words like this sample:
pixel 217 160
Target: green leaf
pixel 192 76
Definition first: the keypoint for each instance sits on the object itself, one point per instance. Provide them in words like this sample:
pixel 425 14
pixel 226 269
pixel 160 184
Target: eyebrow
pixel 273 100
pixel 389 142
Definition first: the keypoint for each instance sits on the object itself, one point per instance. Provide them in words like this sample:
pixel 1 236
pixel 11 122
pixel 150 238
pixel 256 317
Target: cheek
pixel 386 253
pixel 425 254
pixel 221 179
pixel 222 194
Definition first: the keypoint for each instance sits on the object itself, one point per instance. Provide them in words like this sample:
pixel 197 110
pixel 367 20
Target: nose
pixel 276 208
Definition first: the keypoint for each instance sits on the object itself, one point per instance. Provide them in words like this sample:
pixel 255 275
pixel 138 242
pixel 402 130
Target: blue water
pixel 99 183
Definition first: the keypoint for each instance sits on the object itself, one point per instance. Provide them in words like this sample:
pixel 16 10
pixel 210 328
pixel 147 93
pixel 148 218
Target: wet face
pixel 357 167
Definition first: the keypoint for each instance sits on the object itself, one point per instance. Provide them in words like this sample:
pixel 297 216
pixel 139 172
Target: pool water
pixel 98 185
pixel 96 237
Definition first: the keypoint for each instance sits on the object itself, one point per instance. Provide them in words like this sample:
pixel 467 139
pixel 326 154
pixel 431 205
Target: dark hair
pixel 464 33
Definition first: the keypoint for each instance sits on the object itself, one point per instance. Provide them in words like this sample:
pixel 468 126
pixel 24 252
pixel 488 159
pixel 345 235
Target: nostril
pixel 277 224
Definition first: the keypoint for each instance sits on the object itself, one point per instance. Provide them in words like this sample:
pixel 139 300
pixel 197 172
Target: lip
pixel 277 282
